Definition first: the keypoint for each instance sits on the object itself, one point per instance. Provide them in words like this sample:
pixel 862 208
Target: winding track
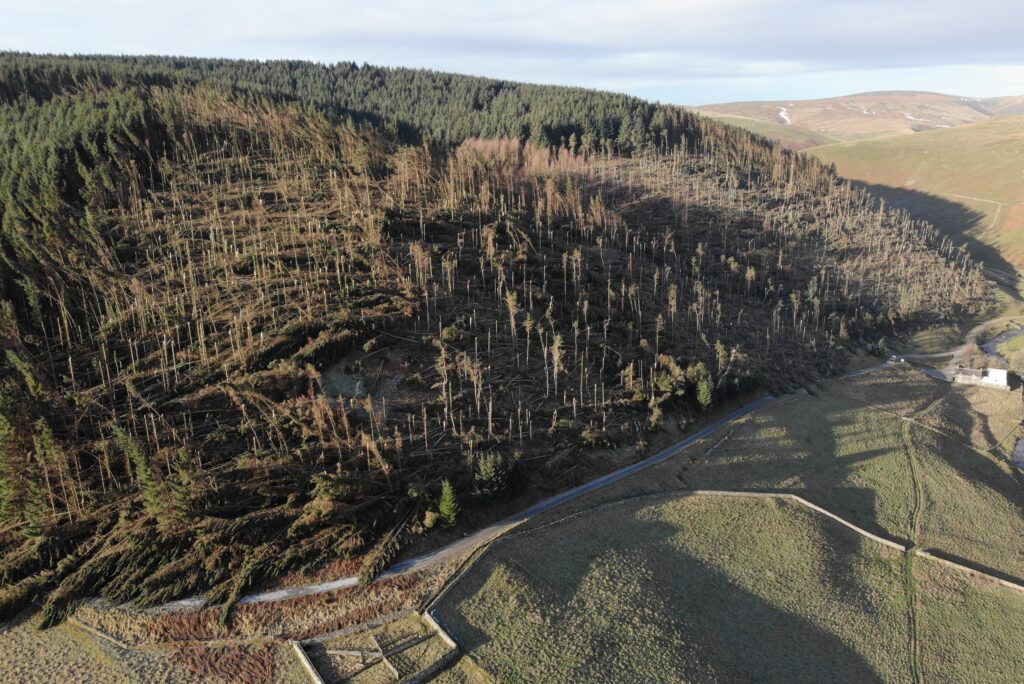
pixel 958 352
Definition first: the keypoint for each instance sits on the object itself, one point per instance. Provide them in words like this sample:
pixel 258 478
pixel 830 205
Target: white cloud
pixel 692 51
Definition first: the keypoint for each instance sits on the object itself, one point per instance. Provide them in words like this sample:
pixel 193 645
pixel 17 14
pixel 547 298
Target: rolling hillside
pixel 664 557
pixel 1004 106
pixel 279 314
pixel 869 115
pixel 955 162
pixel 967 181
pixel 790 137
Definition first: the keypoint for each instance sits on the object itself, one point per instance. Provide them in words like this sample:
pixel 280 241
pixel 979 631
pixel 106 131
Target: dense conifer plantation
pixel 257 316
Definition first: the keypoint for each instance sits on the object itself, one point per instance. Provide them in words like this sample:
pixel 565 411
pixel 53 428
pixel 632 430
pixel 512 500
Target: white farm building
pixel 989 377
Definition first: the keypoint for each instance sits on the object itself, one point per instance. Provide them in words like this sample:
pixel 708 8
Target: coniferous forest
pixel 259 316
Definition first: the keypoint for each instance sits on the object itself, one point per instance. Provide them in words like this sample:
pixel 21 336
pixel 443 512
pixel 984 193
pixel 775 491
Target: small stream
pixel 992 346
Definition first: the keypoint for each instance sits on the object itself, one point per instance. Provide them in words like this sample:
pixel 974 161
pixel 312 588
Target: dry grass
pixel 862 115
pixel 900 389
pixel 973 504
pixel 228 664
pixel 67 653
pixel 986 419
pixel 299 618
pixel 464 671
pixel 790 137
pixel 936 173
pixel 191 645
pixel 427 650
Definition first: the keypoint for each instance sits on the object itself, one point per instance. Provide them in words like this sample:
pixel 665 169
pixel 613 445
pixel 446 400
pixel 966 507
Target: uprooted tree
pixel 245 335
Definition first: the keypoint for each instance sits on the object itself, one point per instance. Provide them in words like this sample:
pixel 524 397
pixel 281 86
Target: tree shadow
pixel 806 464
pixel 960 405
pixel 696 622
pixel 799 461
pixel 958 221
pixel 982 471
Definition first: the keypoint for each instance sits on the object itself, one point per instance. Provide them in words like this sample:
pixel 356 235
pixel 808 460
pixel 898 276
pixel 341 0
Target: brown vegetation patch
pixel 228 664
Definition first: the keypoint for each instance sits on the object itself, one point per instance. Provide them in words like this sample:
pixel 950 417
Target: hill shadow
pixel 696 621
pixel 950 217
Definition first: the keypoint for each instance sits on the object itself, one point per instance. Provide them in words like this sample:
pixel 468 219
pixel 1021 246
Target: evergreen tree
pixel 449 507
pixel 152 492
pixel 705 390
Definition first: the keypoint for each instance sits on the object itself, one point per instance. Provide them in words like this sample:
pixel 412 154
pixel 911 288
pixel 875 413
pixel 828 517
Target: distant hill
pixel 1004 106
pixel 953 161
pixel 967 180
pixel 869 115
pixel 790 137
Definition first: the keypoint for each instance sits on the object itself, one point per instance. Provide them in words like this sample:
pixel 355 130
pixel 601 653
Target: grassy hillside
pixel 683 589
pixel 790 137
pixel 869 115
pixel 967 181
pixel 846 449
pixel 1004 106
pixel 603 583
pixel 970 630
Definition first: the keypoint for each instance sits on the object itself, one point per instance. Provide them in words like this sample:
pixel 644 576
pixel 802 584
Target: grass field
pixel 968 181
pixel 685 589
pixel 1013 352
pixel 972 504
pixel 69 653
pixel 985 419
pixel 464 671
pixel 833 448
pixel 844 449
pixel 711 588
pixel 595 595
pixel 1014 346
pixel 970 630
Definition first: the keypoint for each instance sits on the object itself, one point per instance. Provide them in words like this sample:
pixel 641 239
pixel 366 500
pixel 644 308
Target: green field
pixel 968 181
pixel 1013 351
pixel 845 449
pixel 628 587
pixel 714 588
pixel 970 631
pixel 685 589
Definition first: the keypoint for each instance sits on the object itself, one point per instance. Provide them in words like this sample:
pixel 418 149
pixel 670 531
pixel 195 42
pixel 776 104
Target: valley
pixel 968 180
pixel 299 358
pixel 952 161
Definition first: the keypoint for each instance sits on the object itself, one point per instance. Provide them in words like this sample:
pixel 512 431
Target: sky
pixel 683 52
